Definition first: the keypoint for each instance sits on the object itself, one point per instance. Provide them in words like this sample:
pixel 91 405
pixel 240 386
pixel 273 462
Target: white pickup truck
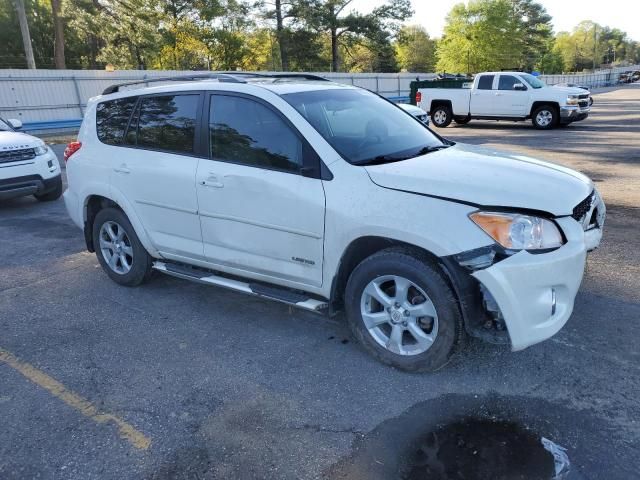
pixel 505 96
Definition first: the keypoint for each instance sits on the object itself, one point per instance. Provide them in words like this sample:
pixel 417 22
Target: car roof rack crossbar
pixel 221 77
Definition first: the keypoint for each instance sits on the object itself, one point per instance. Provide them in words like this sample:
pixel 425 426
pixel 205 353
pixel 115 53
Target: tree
pixel 58 29
pixel 415 50
pixel 26 36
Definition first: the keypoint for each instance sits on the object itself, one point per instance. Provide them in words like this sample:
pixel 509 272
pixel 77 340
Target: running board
pixel 278 294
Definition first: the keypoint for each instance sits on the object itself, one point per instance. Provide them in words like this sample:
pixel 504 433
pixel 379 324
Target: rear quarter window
pixel 112 118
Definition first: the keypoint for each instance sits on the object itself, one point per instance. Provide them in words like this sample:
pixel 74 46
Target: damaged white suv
pixel 329 197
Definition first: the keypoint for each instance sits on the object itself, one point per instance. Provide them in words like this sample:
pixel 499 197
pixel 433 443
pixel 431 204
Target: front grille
pixel 583 103
pixel 7 156
pixel 580 210
pixel 586 95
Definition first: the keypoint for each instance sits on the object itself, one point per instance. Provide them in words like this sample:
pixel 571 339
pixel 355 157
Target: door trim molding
pixel 168 207
pixel 302 233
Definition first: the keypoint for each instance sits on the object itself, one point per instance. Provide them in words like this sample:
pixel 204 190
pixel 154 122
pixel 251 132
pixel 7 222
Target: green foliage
pixel 415 50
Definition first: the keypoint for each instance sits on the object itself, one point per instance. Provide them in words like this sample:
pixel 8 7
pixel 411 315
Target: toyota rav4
pixel 329 197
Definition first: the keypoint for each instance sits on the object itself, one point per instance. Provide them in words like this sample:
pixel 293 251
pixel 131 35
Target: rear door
pixel 510 102
pixel 482 96
pixel 156 170
pixel 260 211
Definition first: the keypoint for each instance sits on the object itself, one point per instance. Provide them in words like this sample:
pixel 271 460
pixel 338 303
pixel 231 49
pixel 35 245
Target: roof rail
pixel 277 75
pixel 221 77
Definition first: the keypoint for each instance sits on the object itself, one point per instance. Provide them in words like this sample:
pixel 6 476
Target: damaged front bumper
pixel 526 298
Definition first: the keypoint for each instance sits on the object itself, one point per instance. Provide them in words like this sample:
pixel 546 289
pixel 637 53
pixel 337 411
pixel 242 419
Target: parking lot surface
pixel 178 380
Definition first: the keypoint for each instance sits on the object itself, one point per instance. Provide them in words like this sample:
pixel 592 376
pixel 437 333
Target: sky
pixel 622 14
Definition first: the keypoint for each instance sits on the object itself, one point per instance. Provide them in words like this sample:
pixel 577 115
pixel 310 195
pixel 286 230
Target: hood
pixel 570 90
pixel 489 178
pixel 16 141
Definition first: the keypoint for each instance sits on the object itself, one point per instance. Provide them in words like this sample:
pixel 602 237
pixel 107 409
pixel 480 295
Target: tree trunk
pixel 335 59
pixel 282 38
pixel 58 29
pixel 26 36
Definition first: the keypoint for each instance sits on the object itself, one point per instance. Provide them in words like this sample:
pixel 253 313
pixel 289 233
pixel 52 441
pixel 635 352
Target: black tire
pixel 421 271
pixel 141 261
pixel 444 115
pixel 52 194
pixel 550 111
pixel 590 101
pixel 462 120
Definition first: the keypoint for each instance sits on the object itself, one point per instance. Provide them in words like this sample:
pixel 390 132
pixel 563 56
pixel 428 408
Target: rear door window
pixel 485 82
pixel 166 123
pixel 112 118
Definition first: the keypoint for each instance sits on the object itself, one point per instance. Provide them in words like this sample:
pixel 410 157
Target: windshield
pixel 4 126
pixel 533 81
pixel 363 127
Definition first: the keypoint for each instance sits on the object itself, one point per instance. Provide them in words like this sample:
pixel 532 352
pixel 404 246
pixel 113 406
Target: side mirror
pixel 519 86
pixel 14 123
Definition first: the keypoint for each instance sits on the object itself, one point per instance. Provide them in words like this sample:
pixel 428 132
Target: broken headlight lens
pixel 515 231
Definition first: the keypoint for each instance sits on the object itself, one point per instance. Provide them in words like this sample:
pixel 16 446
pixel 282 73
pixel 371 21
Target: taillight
pixel 72 148
pixel 418 97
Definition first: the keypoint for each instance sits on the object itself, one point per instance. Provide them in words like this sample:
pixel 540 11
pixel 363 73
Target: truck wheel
pixel 462 120
pixel 545 117
pixel 402 311
pixel 53 194
pixel 441 116
pixel 119 250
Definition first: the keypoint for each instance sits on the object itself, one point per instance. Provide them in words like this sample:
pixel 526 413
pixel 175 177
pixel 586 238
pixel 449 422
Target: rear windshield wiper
pixel 393 158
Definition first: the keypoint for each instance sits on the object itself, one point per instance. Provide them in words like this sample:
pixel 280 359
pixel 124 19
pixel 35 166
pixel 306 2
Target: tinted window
pixel 112 118
pixel 166 123
pixel 361 126
pixel 507 82
pixel 245 131
pixel 485 82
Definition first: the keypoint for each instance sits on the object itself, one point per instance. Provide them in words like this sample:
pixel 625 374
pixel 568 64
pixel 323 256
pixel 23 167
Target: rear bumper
pixel 575 113
pixel 27 185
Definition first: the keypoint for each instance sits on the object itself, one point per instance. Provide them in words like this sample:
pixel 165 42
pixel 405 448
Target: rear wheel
pixel 545 117
pixel 441 116
pixel 403 312
pixel 118 248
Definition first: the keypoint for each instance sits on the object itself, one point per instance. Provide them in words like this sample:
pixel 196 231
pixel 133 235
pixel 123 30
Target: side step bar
pixel 260 290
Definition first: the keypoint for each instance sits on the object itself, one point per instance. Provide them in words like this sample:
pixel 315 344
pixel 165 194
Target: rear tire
pixel 53 194
pixel 462 120
pixel 385 329
pixel 545 117
pixel 119 250
pixel 441 116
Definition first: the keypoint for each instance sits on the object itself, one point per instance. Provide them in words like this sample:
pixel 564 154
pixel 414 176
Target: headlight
pixel 519 232
pixel 572 100
pixel 41 149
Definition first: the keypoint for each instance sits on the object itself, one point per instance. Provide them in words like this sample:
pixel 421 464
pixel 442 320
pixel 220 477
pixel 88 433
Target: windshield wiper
pixel 394 158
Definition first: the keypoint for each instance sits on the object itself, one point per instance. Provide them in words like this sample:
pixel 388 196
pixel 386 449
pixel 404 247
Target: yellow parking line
pixel 84 406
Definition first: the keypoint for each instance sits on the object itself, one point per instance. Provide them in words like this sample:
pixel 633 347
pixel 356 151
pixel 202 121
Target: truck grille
pixel 7 156
pixel 580 210
pixel 584 96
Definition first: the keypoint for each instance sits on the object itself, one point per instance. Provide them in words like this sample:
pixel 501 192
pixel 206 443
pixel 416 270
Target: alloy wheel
pixel 116 248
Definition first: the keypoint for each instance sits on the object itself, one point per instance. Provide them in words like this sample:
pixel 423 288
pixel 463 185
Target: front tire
pixel 53 194
pixel 402 311
pixel 545 117
pixel 441 116
pixel 119 250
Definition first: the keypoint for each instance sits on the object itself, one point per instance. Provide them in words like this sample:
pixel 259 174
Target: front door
pixel 511 97
pixel 259 213
pixel 156 171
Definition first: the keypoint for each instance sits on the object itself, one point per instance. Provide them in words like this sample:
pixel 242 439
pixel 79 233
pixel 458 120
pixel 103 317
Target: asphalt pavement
pixel 174 380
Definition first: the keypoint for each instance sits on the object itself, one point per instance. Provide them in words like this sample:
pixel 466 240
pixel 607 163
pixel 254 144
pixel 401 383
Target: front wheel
pixel 402 311
pixel 545 117
pixel 441 116
pixel 118 248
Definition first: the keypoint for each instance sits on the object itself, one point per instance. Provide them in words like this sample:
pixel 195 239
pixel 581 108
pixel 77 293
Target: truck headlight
pixel 573 100
pixel 515 231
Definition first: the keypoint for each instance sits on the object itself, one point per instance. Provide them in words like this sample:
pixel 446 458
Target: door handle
pixel 212 181
pixel 122 169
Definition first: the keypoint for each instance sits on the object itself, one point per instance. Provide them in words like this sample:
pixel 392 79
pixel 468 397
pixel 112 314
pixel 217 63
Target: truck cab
pixel 512 96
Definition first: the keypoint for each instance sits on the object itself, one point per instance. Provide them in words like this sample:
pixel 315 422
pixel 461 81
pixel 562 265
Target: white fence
pixel 55 99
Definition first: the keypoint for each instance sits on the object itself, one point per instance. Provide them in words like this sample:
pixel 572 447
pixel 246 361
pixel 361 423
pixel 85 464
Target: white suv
pixel 326 197
pixel 27 165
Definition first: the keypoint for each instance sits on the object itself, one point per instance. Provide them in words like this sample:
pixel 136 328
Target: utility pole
pixel 26 36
